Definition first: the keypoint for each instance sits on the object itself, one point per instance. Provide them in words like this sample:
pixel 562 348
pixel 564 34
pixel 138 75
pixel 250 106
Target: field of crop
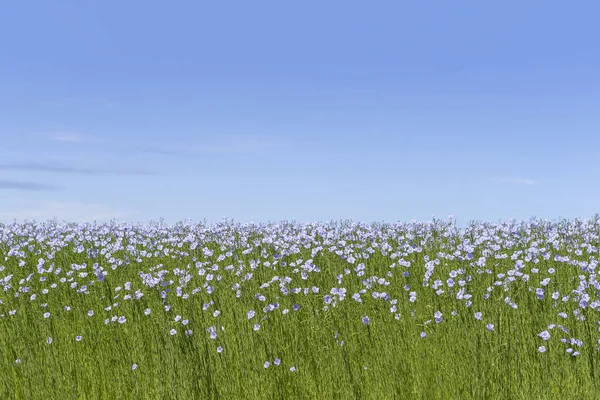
pixel 300 311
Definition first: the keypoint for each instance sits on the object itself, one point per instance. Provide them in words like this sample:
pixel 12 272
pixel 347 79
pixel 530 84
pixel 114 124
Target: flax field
pixel 337 310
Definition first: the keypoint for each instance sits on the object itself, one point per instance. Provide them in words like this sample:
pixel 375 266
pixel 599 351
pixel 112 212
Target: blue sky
pixel 307 111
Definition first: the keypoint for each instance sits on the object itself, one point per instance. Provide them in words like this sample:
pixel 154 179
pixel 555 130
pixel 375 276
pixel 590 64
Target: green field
pixel 300 311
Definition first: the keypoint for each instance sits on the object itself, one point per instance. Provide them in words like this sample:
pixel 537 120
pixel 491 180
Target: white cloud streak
pixel 517 181
pixel 74 138
pixel 67 138
pixel 28 186
pixel 61 168
pixel 226 144
pixel 223 144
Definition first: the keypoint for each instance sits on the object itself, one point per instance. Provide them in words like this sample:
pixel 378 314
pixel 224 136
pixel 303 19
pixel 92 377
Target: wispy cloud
pixel 69 137
pixel 54 103
pixel 74 138
pixel 61 168
pixel 63 211
pixel 78 102
pixel 224 145
pixel 30 186
pixel 517 181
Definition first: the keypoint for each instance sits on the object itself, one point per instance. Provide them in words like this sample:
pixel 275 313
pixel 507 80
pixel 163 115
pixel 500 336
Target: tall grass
pixel 309 337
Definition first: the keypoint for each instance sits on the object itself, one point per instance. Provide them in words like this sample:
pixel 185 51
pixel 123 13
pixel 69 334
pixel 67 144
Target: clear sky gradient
pixel 308 111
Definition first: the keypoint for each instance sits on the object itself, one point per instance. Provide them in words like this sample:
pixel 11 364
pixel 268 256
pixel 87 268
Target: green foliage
pixel 458 358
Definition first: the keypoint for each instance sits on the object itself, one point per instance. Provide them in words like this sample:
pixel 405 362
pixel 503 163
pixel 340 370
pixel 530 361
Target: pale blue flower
pixel 544 335
pixel 539 292
pixel 545 282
